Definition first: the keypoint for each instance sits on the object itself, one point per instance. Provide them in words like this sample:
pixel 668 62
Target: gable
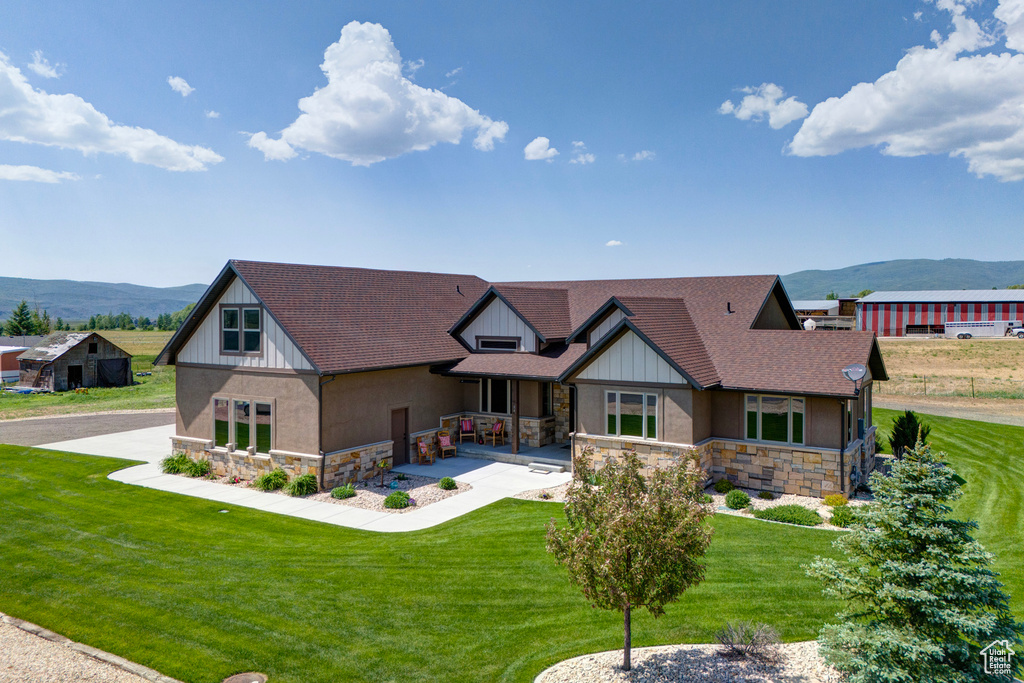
pixel 203 346
pixel 605 326
pixel 630 359
pixel 777 312
pixel 497 319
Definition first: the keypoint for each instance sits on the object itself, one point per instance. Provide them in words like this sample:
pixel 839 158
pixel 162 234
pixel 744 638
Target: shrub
pixel 397 500
pixel 766 495
pixel 175 464
pixel 346 491
pixel 736 500
pixel 271 481
pixel 400 476
pixel 198 468
pixel 747 639
pixel 842 516
pixel 302 486
pixel 724 486
pixel 835 500
pixel 707 499
pixel 790 514
pixel 448 484
pixel 907 430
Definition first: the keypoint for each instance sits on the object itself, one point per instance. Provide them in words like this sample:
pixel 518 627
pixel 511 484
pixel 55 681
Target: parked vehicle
pixel 983 328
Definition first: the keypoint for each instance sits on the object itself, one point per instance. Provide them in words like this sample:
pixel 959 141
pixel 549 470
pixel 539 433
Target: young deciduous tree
pixel 633 541
pixel 921 600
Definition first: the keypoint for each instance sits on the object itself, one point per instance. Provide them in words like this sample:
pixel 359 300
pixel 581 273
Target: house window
pixel 221 422
pixel 631 414
pixel 264 427
pixel 243 434
pixel 497 343
pixel 775 418
pixel 241 329
pixel 93 347
pixel 545 399
pixel 494 395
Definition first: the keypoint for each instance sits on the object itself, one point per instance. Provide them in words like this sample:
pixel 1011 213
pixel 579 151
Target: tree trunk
pixel 627 646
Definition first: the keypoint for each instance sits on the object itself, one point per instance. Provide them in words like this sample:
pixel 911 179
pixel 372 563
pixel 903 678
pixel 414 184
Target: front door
pixel 400 435
pixel 74 376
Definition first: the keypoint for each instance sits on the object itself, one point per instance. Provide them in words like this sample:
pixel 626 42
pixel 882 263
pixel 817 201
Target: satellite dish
pixel 809 324
pixel 854 372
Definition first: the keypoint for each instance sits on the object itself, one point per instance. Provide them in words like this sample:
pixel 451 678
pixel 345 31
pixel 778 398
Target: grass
pixel 154 391
pixel 948 366
pixel 166 581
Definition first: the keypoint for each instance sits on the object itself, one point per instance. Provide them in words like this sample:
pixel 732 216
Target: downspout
pixel 842 444
pixel 574 404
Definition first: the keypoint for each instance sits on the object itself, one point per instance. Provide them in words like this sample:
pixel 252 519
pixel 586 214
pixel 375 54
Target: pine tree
pixel 921 600
pixel 20 322
pixel 907 431
pixel 633 542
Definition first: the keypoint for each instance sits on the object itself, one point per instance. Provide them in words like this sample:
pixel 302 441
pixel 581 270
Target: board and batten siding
pixel 606 325
pixel 631 359
pixel 278 350
pixel 498 320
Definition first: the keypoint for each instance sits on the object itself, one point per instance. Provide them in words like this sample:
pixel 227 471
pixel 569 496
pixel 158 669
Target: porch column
pixel 515 417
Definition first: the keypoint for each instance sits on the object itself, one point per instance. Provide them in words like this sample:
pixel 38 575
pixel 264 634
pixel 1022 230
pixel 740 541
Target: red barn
pixel 897 314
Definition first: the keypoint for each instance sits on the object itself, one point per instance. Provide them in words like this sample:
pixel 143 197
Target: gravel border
pixel 816 504
pixel 63 657
pixel 800 663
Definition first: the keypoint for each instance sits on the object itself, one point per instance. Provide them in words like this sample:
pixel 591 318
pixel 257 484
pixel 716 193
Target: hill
pixel 73 300
pixel 905 274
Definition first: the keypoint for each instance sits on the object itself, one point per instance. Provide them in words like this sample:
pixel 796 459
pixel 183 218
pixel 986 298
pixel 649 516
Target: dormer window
pixel 497 343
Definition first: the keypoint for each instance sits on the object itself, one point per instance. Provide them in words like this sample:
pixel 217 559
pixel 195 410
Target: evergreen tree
pixel 633 542
pixel 921 600
pixel 907 431
pixel 831 296
pixel 20 322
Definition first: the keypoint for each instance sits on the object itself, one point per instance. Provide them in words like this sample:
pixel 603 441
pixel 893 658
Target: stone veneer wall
pixel 560 407
pixel 776 468
pixel 355 464
pixel 244 463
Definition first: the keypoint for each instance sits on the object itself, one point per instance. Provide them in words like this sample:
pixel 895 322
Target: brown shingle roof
pixel 547 365
pixel 667 323
pixel 545 308
pixel 348 319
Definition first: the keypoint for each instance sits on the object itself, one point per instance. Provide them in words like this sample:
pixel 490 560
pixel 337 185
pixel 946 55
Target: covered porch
pixel 550 454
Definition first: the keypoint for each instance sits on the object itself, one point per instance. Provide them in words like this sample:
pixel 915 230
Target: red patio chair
pixel 467 428
pixel 497 431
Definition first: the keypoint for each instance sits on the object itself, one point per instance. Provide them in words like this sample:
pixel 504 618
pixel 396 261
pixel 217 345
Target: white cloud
pixel 42 67
pixel 613 243
pixel 369 111
pixel 937 101
pixel 69 122
pixel 539 149
pixel 414 65
pixel 179 85
pixel 642 155
pixel 35 174
pixel 454 72
pixel 766 100
pixel 210 114
pixel 580 155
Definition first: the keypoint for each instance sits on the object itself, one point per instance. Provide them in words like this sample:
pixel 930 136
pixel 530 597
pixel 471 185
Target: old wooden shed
pixel 69 360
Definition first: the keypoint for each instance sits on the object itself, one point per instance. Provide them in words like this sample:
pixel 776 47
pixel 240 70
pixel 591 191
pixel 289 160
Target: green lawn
pixel 169 582
pixel 155 391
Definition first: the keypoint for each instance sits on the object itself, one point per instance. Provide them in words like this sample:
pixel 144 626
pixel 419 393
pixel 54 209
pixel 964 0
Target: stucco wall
pixel 675 416
pixel 357 407
pixel 296 414
pixel 727 414
pixel 823 428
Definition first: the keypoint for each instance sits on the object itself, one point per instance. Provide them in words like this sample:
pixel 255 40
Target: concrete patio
pixel 491 481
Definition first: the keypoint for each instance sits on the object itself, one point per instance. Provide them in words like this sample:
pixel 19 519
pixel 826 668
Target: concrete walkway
pixel 491 481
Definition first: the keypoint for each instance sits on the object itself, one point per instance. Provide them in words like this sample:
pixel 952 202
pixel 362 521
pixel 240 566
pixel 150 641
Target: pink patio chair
pixel 423 452
pixel 445 447
pixel 467 428
pixel 497 431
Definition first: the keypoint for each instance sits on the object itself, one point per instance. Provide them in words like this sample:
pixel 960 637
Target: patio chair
pixel 467 428
pixel 445 447
pixel 423 452
pixel 497 431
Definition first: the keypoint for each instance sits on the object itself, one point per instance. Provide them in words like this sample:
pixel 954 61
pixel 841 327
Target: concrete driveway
pixel 491 481
pixel 34 431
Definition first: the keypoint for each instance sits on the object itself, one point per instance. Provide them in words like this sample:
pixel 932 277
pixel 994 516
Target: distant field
pixel 151 392
pixel 945 367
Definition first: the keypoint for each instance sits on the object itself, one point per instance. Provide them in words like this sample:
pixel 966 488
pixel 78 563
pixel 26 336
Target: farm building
pixel 826 314
pixel 9 363
pixel 897 314
pixel 69 360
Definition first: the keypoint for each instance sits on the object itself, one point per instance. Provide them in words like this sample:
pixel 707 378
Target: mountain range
pixel 904 274
pixel 76 301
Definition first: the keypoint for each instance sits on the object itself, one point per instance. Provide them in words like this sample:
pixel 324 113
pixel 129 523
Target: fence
pixel 971 387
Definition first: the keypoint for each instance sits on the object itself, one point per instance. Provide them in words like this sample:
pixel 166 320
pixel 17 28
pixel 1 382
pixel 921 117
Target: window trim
pixel 789 420
pixel 489 383
pixel 232 432
pixel 618 414
pixel 497 338
pixel 241 308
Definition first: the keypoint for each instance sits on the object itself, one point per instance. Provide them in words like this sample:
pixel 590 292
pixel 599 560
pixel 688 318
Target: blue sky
pixel 149 143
